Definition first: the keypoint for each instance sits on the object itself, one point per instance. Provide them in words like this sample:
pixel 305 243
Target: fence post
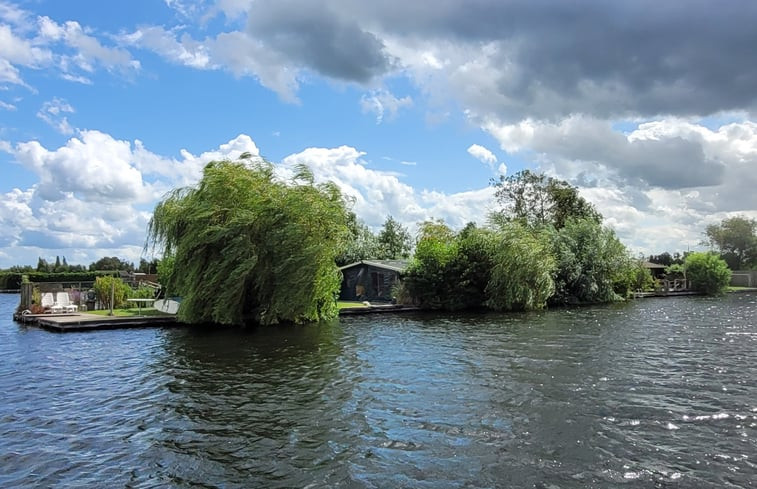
pixel 26 296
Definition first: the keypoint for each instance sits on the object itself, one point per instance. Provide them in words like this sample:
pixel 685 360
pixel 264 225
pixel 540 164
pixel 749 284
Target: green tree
pixel 538 200
pixel 146 266
pixel 394 240
pixel 106 286
pixel 42 265
pixel 247 246
pixel 428 279
pixel 521 278
pixel 592 264
pixel 736 240
pixel 362 244
pixel 707 272
pixel 472 266
pixel 111 263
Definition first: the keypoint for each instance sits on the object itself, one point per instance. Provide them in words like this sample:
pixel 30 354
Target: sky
pixel 412 108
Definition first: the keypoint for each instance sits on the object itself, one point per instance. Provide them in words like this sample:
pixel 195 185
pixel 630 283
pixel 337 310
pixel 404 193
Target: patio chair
pixel 65 302
pixel 47 301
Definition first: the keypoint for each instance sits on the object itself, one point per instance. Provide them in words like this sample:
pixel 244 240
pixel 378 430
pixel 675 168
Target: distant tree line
pixel 109 263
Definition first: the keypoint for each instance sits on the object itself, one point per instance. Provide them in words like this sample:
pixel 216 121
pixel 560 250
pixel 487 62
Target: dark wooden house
pixel 371 280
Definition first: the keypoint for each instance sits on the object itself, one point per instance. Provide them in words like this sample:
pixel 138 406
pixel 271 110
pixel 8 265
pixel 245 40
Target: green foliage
pixel 148 266
pixel 523 267
pixel 142 292
pixel 675 271
pixel 247 246
pixel 362 244
pixel 707 272
pixel 394 241
pixel 472 267
pixel 666 259
pixel 592 264
pixel 112 263
pixel 107 286
pixel 538 200
pixel 428 279
pixel 165 269
pixel 638 278
pixel 736 239
pixel 12 280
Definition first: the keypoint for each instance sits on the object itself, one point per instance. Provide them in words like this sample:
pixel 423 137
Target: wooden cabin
pixel 371 280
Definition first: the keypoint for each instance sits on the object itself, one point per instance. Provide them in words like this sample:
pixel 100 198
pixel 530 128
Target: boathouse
pixel 371 280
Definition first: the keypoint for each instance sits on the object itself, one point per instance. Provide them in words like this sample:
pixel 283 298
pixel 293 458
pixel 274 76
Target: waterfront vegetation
pixel 245 245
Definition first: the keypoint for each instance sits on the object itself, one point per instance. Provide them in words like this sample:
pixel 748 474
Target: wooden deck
pixel 87 322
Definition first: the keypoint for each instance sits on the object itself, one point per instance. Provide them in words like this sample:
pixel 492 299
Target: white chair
pixel 64 301
pixel 47 301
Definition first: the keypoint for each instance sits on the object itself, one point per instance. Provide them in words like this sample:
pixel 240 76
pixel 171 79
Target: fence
pixel 744 278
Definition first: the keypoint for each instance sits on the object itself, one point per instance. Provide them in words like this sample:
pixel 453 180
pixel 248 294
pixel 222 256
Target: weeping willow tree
pixel 247 246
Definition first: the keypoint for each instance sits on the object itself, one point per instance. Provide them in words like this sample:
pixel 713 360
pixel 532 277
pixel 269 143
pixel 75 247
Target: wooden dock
pixel 88 322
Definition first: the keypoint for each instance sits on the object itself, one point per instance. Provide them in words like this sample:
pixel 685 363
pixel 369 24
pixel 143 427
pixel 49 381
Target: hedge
pixel 12 280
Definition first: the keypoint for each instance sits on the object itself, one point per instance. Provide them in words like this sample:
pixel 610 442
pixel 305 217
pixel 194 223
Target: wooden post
pixel 26 296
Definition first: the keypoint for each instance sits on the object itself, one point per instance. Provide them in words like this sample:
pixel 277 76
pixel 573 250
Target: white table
pixel 139 303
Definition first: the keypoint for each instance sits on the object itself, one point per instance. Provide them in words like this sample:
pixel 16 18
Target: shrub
pixel 106 285
pixel 707 272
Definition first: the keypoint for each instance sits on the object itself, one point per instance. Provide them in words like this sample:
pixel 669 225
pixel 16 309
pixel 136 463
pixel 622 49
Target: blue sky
pixel 410 107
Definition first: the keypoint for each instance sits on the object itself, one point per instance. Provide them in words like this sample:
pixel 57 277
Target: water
pixel 656 393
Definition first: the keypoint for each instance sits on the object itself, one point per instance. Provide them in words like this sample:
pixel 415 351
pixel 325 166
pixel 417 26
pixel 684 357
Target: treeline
pixel 734 239
pixel 546 245
pixel 12 280
pixel 105 263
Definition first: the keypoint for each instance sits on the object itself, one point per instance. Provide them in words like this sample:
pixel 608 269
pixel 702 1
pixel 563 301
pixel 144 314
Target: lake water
pixel 655 393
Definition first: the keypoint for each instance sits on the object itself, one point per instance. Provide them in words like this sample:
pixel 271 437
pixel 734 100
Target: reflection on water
pixel 660 392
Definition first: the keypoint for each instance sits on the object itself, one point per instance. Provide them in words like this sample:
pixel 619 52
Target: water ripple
pixel 656 393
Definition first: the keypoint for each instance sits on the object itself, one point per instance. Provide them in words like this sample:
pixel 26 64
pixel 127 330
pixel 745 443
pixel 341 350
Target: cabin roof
pixel 649 264
pixel 393 265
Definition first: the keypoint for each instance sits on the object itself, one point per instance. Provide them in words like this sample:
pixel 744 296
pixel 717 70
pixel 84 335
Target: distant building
pixel 657 270
pixel 371 280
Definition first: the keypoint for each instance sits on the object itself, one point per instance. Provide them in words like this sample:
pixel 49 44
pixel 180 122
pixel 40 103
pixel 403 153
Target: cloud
pixel 52 112
pixel 377 194
pixel 29 42
pixel 482 154
pixel 670 162
pixel 384 104
pixel 94 195
pixel 318 37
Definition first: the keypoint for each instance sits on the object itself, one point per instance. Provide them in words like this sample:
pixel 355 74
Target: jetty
pixel 83 321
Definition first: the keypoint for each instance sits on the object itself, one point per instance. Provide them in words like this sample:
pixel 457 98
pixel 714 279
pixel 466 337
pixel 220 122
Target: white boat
pixel 169 306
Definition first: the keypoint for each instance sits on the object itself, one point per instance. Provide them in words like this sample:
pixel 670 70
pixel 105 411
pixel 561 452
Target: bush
pixel 103 288
pixel 707 272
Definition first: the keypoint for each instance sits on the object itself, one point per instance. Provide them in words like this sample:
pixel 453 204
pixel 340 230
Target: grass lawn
pixel 130 312
pixel 738 289
pixel 344 304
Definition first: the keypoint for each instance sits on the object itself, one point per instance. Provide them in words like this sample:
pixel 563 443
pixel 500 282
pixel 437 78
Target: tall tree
pixel 362 244
pixel 736 240
pixel 538 200
pixel 521 278
pixel 592 264
pixel 42 265
pixel 394 240
pixel 246 246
